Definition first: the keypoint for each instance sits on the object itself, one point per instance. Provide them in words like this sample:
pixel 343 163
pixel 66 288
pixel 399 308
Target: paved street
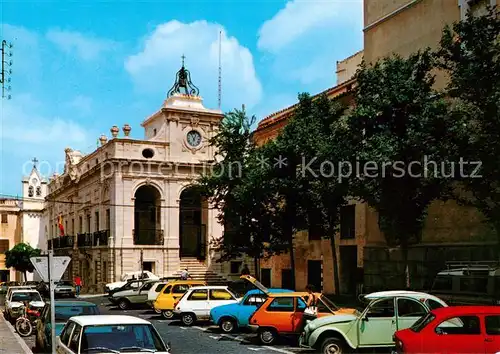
pixel 202 338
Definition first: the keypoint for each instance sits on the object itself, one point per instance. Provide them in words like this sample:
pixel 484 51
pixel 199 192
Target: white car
pixel 16 300
pixel 110 334
pixel 146 275
pixel 154 292
pixel 432 302
pixel 197 302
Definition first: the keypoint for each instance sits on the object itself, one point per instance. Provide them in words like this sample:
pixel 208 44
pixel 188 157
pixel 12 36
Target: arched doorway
pixel 147 216
pixel 192 224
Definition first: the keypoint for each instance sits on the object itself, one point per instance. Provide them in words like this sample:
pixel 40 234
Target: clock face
pixel 194 138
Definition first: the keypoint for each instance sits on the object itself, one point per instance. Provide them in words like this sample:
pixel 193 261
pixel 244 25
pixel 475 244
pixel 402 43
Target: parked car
pixel 233 316
pixel 171 293
pixel 16 299
pixel 145 275
pixel 456 329
pixel 154 292
pixel 468 283
pixel 64 288
pixel 197 302
pixel 109 334
pixel 117 296
pixel 64 311
pixel 130 295
pixel 373 328
pixel 282 314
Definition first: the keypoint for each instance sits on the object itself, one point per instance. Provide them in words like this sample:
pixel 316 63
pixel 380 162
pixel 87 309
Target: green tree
pixel 470 55
pixel 311 178
pixel 404 136
pixel 233 188
pixel 19 258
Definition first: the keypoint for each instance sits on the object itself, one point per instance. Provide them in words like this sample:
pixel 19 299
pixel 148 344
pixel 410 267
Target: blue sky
pixel 81 67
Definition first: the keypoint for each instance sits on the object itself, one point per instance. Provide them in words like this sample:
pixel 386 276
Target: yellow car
pixel 171 293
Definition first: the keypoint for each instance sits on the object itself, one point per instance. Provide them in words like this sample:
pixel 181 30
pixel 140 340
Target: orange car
pixel 281 314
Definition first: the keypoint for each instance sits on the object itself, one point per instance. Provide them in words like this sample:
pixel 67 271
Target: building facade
pixel 132 204
pixel 451 231
pixel 9 236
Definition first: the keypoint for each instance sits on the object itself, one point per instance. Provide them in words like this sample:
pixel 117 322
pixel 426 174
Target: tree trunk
pixel 256 267
pixel 406 270
pixel 336 279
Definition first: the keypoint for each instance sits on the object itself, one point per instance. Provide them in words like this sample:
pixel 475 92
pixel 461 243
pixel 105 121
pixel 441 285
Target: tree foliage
pixel 19 258
pixel 404 134
pixel 470 54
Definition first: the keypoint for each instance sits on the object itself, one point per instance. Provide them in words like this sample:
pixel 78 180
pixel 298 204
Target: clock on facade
pixel 193 138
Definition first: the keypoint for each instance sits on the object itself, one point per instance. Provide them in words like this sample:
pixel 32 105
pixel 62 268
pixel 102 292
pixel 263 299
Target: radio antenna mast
pixel 220 69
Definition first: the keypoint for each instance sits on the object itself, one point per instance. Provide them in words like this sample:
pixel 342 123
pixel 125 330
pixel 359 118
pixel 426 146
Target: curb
pixel 21 342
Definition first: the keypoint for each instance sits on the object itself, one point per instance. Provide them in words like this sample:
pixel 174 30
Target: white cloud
pixel 24 129
pixel 155 66
pixel 82 104
pixel 301 16
pixel 304 40
pixel 75 43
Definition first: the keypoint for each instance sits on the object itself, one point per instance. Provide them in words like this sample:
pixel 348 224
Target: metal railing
pixel 473 265
pixel 151 237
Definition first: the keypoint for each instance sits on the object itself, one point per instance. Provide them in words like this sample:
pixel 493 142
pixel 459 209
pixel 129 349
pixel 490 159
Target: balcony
pixel 62 242
pixel 150 237
pixel 101 238
pixel 85 240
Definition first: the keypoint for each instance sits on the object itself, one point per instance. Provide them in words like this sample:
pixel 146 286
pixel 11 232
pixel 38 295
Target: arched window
pixel 38 191
pixel 30 191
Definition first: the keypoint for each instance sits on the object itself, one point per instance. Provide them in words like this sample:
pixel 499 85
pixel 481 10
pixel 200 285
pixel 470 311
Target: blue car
pixel 233 316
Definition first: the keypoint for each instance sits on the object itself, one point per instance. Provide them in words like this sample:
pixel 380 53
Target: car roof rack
pixel 472 265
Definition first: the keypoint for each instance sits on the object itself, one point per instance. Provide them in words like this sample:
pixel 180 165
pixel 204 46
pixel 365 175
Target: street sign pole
pixel 52 302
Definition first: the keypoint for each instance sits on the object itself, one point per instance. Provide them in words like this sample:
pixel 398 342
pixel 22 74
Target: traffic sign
pixel 59 265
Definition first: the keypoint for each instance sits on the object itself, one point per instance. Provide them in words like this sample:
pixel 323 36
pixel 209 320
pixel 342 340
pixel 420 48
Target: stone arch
pixel 139 184
pixel 147 215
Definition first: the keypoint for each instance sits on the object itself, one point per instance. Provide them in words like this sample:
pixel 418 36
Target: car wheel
pixel 267 336
pixel 157 311
pixel 168 314
pixel 228 325
pixel 333 346
pixel 123 304
pixel 188 319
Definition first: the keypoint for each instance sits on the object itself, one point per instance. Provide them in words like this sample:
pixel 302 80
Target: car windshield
pixel 121 338
pixel 21 297
pixel 422 322
pixel 329 303
pixel 64 313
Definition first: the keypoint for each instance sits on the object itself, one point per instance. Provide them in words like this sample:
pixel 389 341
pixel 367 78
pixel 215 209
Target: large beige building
pixel 9 235
pixel 132 200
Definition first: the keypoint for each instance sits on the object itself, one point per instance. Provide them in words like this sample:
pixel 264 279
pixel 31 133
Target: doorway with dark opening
pixel 192 228
pixel 348 269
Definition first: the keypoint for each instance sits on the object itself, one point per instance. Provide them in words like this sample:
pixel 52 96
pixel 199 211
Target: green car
pixel 64 311
pixel 386 313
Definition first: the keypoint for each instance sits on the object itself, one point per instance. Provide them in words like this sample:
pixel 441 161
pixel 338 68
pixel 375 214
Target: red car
pixel 453 330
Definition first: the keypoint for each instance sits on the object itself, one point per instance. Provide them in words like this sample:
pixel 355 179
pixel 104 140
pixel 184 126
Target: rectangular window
pixel 281 304
pixel 493 325
pixel 315 229
pixel 474 284
pixel 198 295
pixel 442 283
pixel 4 246
pixel 235 267
pixel 88 223
pixel 460 325
pixel 286 279
pixel 73 226
pixel 108 219
pixel 265 277
pixel 220 294
pixel 104 271
pixel 347 222
pixel 97 226
pixel 80 224
pixel 5 219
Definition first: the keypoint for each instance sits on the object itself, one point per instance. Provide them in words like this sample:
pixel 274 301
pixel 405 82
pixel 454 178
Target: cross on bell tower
pixel 183 82
pixel 35 161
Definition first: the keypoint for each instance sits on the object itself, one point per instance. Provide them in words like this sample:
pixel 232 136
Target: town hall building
pixel 132 203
